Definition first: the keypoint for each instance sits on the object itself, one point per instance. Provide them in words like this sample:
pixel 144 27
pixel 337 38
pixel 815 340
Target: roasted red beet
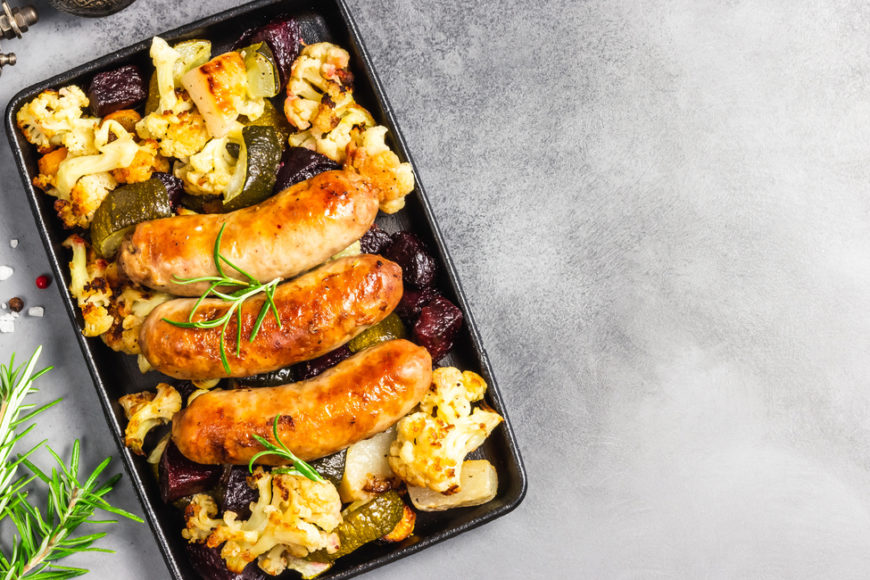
pixel 437 327
pixel 375 241
pixel 418 265
pixel 174 187
pixel 210 566
pixel 299 164
pixel 179 476
pixel 233 492
pixel 314 367
pixel 122 88
pixel 413 302
pixel 284 39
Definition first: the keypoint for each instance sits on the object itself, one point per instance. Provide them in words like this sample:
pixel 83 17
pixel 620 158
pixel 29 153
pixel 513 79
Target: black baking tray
pixel 116 374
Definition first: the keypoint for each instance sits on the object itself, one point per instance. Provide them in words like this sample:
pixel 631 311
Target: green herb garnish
pixel 243 289
pixel 44 534
pixel 281 450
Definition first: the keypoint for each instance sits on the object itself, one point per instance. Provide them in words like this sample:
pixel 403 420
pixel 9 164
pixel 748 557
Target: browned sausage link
pixel 285 235
pixel 352 401
pixel 319 311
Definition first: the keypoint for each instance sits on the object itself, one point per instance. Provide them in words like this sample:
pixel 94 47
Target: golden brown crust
pixel 354 400
pixel 319 312
pixel 281 237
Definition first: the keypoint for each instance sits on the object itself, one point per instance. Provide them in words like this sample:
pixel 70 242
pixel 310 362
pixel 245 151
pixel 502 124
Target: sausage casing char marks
pixel 319 311
pixel 281 237
pixel 352 401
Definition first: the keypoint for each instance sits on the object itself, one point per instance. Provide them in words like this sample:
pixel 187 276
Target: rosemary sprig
pixel 242 290
pixel 44 536
pixel 281 450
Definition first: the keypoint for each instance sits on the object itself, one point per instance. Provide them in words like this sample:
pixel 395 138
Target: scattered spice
pixel 5 272
pixel 16 304
pixel 43 282
pixel 13 243
pixel 36 311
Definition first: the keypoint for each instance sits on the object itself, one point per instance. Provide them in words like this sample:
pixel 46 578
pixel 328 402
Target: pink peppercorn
pixel 43 282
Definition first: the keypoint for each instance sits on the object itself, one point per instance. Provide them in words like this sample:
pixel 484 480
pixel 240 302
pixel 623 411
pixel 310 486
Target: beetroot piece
pixel 284 39
pixel 299 164
pixel 437 327
pixel 375 241
pixel 418 265
pixel 179 476
pixel 210 566
pixel 174 187
pixel 234 493
pixel 314 367
pixel 413 302
pixel 122 88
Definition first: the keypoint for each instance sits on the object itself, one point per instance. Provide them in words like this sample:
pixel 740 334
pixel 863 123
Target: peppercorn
pixel 16 304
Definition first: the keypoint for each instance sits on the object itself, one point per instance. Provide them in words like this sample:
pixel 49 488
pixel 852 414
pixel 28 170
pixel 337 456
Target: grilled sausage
pixel 319 311
pixel 285 235
pixel 352 401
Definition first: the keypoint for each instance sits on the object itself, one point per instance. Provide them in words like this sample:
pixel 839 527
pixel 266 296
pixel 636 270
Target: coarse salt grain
pixel 13 243
pixel 5 272
pixel 37 311
pixel 7 322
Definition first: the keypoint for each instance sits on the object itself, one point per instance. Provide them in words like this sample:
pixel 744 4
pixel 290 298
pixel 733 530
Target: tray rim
pixel 451 277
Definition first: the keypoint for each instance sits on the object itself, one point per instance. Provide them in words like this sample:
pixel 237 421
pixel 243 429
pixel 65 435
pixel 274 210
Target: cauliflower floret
pixel 77 209
pixel 433 441
pixel 292 512
pixel 319 101
pixel 89 286
pixel 111 306
pixel 334 143
pixel 277 560
pixel 53 114
pixel 116 149
pixel 368 154
pixel 147 410
pixel 130 306
pixel 164 58
pixel 180 130
pixel 211 170
pixel 319 83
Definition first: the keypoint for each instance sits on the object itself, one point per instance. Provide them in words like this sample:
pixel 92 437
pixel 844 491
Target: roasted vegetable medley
pixel 249 181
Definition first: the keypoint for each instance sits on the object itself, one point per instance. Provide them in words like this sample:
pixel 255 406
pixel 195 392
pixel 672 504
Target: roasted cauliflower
pixel 77 209
pixel 147 410
pixel 111 306
pixel 293 516
pixel 211 170
pixel 89 286
pixel 179 130
pixel 319 84
pixel 55 115
pixel 320 103
pixel 368 154
pixel 432 443
pixel 129 306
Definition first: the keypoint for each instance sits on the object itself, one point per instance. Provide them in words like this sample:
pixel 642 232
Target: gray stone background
pixel 659 211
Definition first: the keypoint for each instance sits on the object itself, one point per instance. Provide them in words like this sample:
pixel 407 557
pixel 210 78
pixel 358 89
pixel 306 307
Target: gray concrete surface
pixel 660 213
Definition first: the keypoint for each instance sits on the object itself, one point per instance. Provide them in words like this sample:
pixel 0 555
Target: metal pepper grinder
pixel 13 23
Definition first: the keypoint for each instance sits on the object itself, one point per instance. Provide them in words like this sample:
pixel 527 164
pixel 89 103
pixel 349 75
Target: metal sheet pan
pixel 116 374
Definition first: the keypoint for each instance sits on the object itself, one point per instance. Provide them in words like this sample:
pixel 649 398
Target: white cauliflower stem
pixel 147 410
pixel 293 517
pixel 433 442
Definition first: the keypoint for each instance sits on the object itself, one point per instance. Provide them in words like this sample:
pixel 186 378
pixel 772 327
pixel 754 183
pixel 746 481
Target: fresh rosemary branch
pixel 243 289
pixel 44 536
pixel 281 450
